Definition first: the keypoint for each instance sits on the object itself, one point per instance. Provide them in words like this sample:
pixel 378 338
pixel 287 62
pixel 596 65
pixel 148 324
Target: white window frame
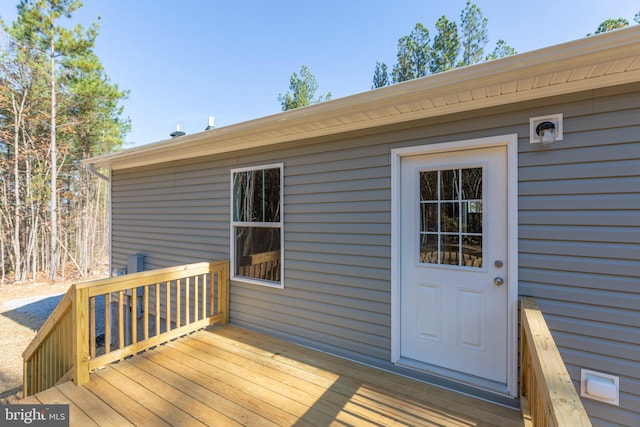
pixel 234 224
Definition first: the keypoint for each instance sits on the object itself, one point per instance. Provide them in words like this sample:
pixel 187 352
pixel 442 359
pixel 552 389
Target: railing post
pixel 546 384
pixel 80 321
pixel 223 288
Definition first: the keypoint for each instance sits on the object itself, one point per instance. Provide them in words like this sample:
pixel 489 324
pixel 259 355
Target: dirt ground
pixel 23 309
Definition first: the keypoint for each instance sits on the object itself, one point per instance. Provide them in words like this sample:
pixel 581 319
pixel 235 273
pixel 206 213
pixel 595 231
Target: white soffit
pixel 594 62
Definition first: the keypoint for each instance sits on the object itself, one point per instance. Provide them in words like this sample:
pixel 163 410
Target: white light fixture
pixel 545 129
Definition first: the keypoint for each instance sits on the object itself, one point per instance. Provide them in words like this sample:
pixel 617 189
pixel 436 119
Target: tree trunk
pixel 53 267
pixel 2 261
pixel 17 223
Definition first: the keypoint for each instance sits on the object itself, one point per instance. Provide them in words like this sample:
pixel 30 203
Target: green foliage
pixel 501 50
pixel 610 25
pixel 614 24
pixel 302 89
pixel 57 107
pixel 474 34
pixel 88 107
pixel 380 75
pixel 446 46
pixel 413 55
pixel 93 114
pixel 418 57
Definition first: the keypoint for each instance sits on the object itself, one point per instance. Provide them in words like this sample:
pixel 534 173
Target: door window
pixel 451 217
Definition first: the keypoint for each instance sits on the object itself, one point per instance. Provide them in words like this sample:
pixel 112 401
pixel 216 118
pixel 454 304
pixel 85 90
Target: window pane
pixel 472 184
pixel 429 217
pixel 240 196
pixel 258 253
pixel 449 250
pixel 449 217
pixel 471 217
pixel 449 184
pixel 472 251
pixel 429 248
pixel 256 195
pixel 271 195
pixel 429 185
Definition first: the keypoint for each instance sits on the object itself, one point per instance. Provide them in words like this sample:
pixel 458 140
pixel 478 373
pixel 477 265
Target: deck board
pixel 232 376
pixel 55 396
pixel 93 406
pixel 184 400
pixel 260 396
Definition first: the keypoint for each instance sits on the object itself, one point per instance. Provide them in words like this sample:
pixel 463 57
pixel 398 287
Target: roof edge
pixel 280 127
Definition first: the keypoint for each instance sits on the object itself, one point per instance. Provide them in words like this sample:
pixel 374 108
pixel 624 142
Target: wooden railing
pixel 263 266
pixel 548 396
pixel 141 310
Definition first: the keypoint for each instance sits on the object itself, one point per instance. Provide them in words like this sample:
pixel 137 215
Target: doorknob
pixel 499 281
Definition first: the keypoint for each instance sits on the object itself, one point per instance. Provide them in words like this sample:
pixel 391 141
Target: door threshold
pixel 456 376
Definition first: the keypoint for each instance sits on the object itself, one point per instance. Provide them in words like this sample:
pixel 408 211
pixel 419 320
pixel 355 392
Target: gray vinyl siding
pixel 579 232
pixel 579 242
pixel 335 288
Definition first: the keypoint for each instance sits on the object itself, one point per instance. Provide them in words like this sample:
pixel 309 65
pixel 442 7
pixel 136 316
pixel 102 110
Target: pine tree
pixel 610 25
pixel 380 75
pixel 413 55
pixel 56 107
pixel 417 58
pixel 501 50
pixel 474 34
pixel 446 46
pixel 303 89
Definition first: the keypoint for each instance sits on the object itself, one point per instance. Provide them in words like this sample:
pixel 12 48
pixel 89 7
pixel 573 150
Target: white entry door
pixel 453 261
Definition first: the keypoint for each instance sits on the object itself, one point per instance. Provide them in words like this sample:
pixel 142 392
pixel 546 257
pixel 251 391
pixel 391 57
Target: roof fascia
pixel 315 120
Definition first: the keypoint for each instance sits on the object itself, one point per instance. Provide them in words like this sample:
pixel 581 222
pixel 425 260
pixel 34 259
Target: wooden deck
pixel 231 376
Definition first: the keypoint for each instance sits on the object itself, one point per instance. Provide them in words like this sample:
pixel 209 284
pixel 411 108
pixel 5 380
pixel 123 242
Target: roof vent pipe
pixel 176 133
pixel 210 125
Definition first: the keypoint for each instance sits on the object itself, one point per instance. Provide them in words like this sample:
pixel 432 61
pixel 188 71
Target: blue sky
pixel 186 60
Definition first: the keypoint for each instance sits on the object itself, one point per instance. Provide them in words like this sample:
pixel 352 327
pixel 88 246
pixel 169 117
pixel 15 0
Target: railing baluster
pixel 157 319
pixel 121 319
pixel 45 361
pixel 52 359
pixel 146 313
pixel 178 303
pixel 204 296
pixel 167 292
pixel 36 379
pixel 187 303
pixel 92 327
pixel 57 357
pixel 196 291
pixel 133 308
pixel 107 322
